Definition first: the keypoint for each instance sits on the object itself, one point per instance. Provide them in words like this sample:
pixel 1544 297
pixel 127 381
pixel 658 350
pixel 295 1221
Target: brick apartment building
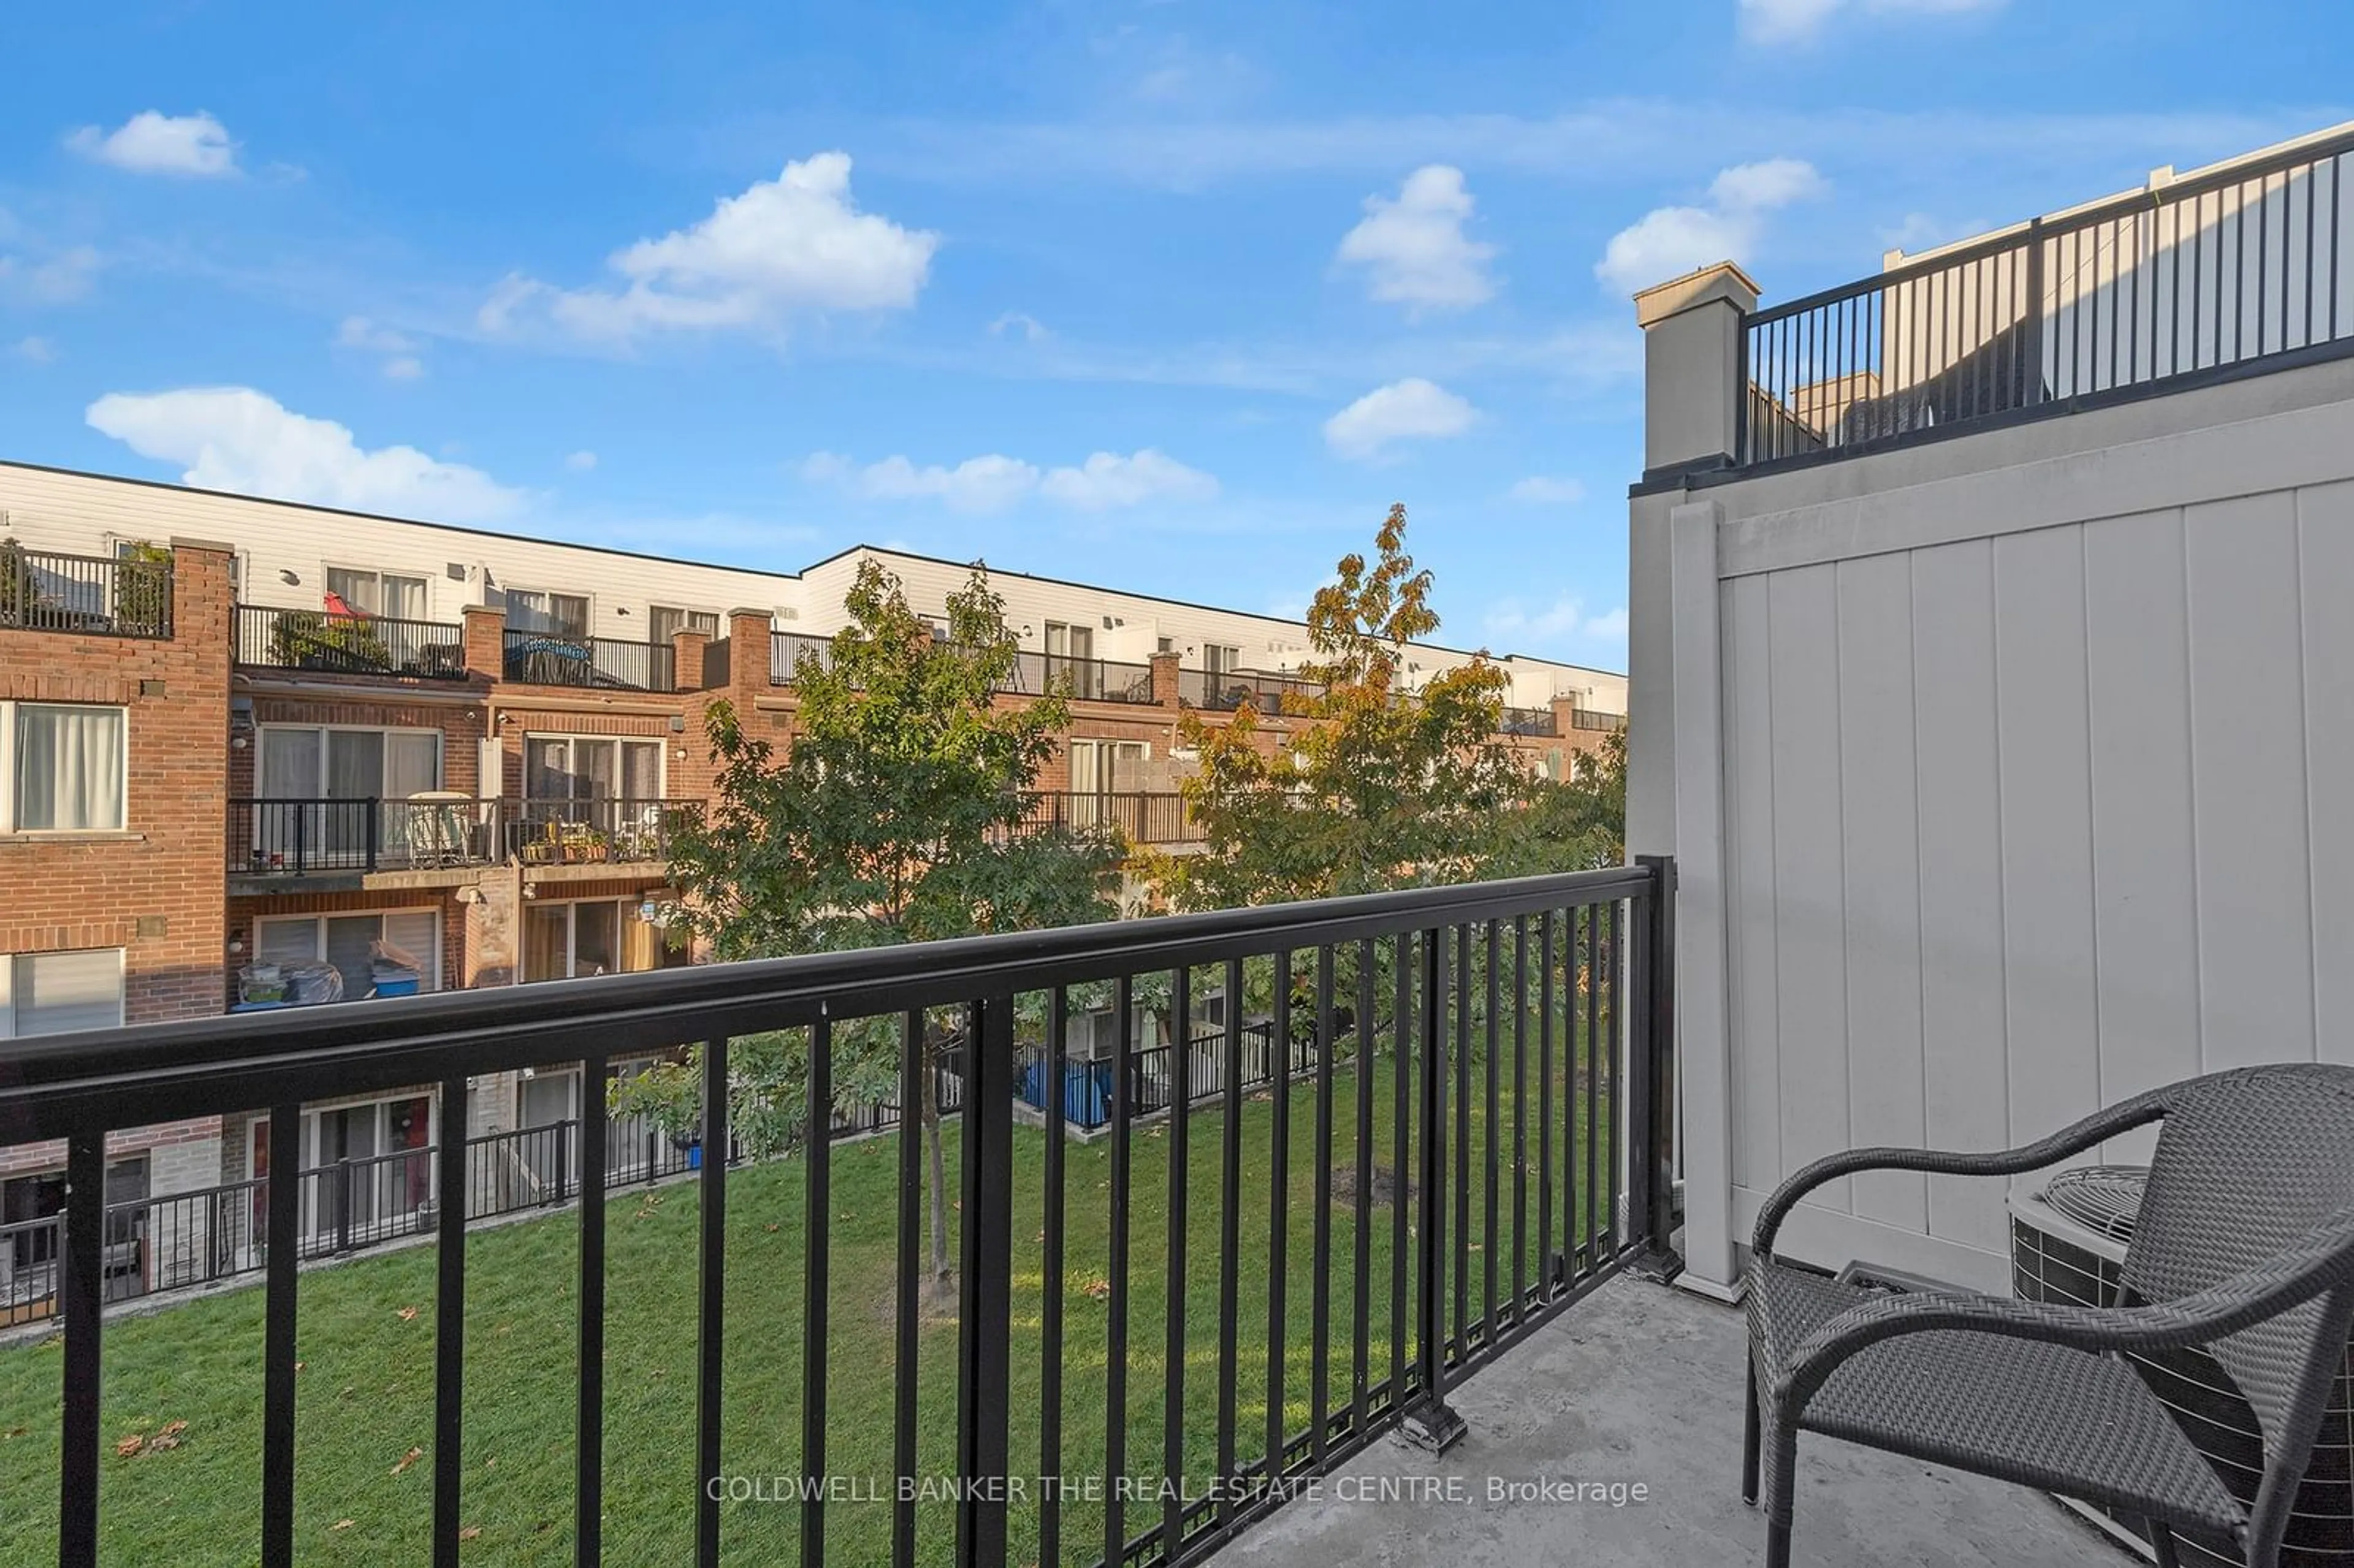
pixel 239 733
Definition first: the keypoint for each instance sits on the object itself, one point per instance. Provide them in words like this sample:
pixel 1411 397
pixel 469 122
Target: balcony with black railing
pixel 605 830
pixel 1227 690
pixel 306 836
pixel 339 644
pixel 1528 721
pixel 2246 270
pixel 1141 818
pixel 612 663
pixel 94 595
pixel 1301 1231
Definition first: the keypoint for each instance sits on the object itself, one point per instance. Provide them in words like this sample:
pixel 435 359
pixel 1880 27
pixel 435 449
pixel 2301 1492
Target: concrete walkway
pixel 1641 1383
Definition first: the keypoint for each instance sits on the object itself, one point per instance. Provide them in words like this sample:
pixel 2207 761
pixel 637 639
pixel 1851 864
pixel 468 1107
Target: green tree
pixel 1577 823
pixel 893 815
pixel 1383 788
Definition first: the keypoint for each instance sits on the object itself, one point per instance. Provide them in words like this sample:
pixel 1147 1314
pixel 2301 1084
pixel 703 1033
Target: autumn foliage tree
pixel 1386 786
pixel 894 815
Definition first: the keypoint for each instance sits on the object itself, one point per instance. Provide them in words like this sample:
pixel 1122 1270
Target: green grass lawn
pixel 366 1347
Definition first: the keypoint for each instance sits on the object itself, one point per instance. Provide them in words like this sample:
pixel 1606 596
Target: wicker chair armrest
pixel 2323 1259
pixel 2123 1117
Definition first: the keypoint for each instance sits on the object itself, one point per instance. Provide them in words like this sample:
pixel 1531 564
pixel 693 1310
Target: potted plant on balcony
pixel 20 595
pixel 307 640
pixel 142 588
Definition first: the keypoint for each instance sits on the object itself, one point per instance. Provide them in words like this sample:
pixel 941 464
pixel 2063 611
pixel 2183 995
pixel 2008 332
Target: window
pixel 302 765
pixel 663 622
pixel 1105 767
pixel 575 767
pixel 1220 660
pixel 50 993
pixel 592 936
pixel 381 593
pixel 558 614
pixel 348 942
pixel 1074 641
pixel 1164 645
pixel 65 767
pixel 374 1162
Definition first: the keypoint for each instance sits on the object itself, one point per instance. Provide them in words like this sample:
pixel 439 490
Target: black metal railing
pixel 1140 817
pixel 593 831
pixel 547 659
pixel 1498 1135
pixel 1594 719
pixel 181 1240
pixel 2247 269
pixel 1098 679
pixel 301 836
pixel 790 650
pixel 1230 689
pixel 1528 721
pixel 101 596
pixel 311 639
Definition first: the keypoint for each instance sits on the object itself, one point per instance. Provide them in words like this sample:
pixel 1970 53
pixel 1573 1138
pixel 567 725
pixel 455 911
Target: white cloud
pixel 55 280
pixel 1566 620
pixel 1107 479
pixel 1414 247
pixel 153 143
pixel 1410 409
pixel 362 336
pixel 1787 21
pixel 581 462
pixel 36 351
pixel 994 482
pixel 794 243
pixel 1030 328
pixel 359 331
pixel 1544 489
pixel 236 438
pixel 1669 241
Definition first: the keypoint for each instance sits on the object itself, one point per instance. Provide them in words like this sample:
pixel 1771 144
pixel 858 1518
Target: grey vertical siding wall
pixel 2038 788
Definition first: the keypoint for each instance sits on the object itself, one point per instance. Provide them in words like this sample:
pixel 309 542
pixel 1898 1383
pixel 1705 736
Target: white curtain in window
pixel 404 597
pixel 68 768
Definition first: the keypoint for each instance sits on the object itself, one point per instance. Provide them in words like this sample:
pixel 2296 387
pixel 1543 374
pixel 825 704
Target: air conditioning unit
pixel 2068 1245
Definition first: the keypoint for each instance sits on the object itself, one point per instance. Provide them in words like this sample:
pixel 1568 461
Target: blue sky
pixel 1173 295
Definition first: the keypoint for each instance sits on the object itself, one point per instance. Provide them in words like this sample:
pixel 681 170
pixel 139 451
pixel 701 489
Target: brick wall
pixel 155 889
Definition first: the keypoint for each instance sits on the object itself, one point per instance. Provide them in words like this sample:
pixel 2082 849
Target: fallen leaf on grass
pixel 406 1314
pixel 169 1437
pixel 1097 1289
pixel 408 1459
pixel 12 1432
pixel 342 1524
pixel 470 1533
pixel 130 1446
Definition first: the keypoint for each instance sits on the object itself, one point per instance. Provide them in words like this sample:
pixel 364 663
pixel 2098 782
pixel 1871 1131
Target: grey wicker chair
pixel 2244 1245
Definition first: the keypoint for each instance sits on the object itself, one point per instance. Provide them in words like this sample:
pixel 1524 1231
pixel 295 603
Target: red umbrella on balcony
pixel 340 610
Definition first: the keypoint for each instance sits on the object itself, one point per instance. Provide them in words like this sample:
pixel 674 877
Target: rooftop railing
pixel 1528 721
pixel 97 596
pixel 1480 1128
pixel 311 639
pixel 1230 689
pixel 2244 270
pixel 788 649
pixel 1594 719
pixel 549 658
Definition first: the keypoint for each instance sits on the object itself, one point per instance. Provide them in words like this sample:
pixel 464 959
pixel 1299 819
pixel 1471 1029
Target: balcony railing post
pixel 563 1160
pixel 1429 1421
pixel 344 1208
pixel 984 1348
pixel 2033 325
pixel 374 809
pixel 1651 1050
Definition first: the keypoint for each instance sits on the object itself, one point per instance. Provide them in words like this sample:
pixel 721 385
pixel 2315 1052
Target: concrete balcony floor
pixel 1641 1382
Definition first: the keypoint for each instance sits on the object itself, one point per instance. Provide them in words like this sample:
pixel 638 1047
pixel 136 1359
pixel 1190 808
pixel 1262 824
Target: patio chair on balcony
pixel 2245 1246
